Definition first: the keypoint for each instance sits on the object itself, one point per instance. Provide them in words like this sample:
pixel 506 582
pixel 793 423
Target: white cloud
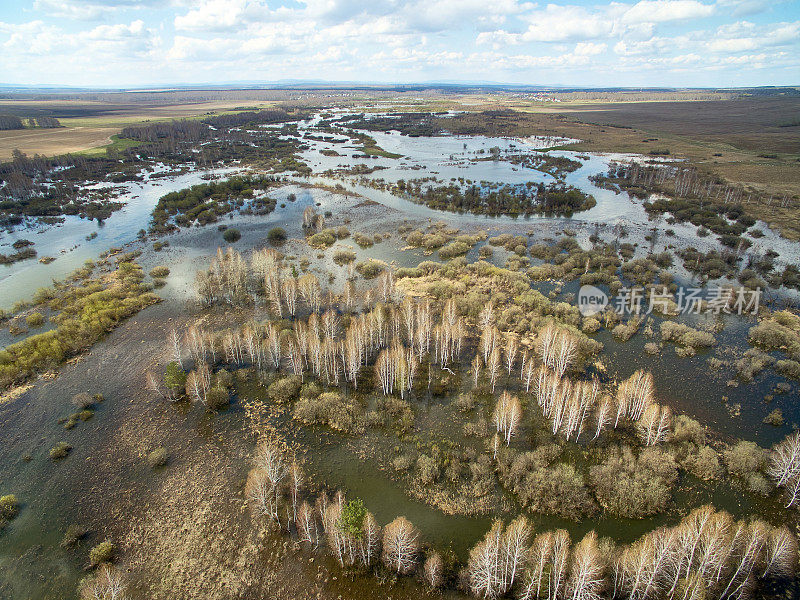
pixel 90 10
pixel 663 11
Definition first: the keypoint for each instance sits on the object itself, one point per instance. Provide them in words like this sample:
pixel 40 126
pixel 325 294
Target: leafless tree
pixel 654 425
pixel 780 553
pixel 507 415
pixel 106 584
pixel 370 542
pixel 604 414
pixel 307 524
pixel 433 569
pixel 586 578
pixel 510 351
pixel 634 395
pixel 401 543
pixel 785 460
pixel 493 366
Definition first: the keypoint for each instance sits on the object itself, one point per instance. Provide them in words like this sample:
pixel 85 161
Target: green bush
pixel 364 241
pixel 704 464
pixel 175 377
pixel 217 397
pixel 686 336
pixel 159 272
pixel 35 320
pixel 60 450
pixel 232 235
pixel 330 408
pixel 102 553
pixel 343 256
pixel 73 535
pixel 82 400
pixel 284 390
pixel 557 490
pixel 351 520
pixel 634 487
pixel 370 269
pixel 276 236
pixel 323 239
pixel 454 249
pixel 158 457
pixel 9 507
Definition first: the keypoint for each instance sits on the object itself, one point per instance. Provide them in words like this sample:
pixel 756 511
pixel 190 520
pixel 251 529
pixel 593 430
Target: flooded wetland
pixel 344 353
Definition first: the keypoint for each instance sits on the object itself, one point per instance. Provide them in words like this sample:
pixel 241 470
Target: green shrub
pixel 284 390
pixel 9 507
pixel 343 256
pixel 351 520
pixel 454 249
pixel 686 429
pixel 276 236
pixel 704 464
pixel 60 450
pixel 427 470
pixel 364 241
pixel 217 398
pixel 158 457
pixel 774 418
pixel 102 553
pixel 159 272
pixel 322 240
pixel 175 378
pixel 557 490
pixel 686 336
pixel 82 400
pixel 370 269
pixel 331 409
pixel 232 235
pixel 745 458
pixel 73 536
pixel 34 320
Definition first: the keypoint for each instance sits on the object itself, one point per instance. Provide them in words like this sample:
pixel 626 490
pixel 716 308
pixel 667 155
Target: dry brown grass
pixel 54 141
pixel 90 124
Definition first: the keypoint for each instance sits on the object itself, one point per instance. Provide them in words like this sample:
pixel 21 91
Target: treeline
pixel 13 122
pixel 555 198
pixel 10 122
pixel 261 117
pixel 206 202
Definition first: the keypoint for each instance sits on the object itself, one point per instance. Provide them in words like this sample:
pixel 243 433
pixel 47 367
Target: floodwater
pixel 686 384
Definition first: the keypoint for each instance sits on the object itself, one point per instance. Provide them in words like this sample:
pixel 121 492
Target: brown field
pixel 54 141
pixel 90 124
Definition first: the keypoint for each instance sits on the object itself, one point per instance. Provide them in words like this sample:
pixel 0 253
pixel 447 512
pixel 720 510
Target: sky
pixel 649 43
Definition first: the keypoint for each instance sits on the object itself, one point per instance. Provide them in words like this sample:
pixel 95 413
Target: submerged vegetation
pixel 553 199
pixel 514 370
pixel 83 311
pixel 467 382
pixel 205 203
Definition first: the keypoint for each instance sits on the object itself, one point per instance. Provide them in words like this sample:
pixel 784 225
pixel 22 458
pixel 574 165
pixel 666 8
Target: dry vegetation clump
pixel 635 486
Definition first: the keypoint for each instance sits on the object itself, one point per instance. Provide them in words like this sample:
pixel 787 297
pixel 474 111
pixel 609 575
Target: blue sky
pixel 116 43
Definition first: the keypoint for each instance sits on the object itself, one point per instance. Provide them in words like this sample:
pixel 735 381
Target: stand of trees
pixel 555 198
pixel 205 203
pixel 707 555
